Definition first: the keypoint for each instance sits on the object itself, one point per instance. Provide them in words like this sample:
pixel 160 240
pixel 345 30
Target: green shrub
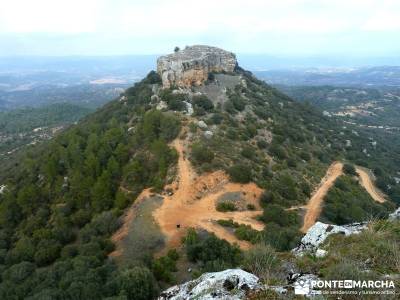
pixel 285 186
pixel 228 223
pixel 152 78
pixel 201 154
pixel 238 102
pixel 229 107
pixel 248 152
pixel 251 206
pixel 247 233
pixel 240 173
pixel 262 144
pixel 174 101
pixel 267 197
pixel 137 284
pixel 262 261
pixel 214 254
pixel 349 169
pixel 164 266
pixel 216 118
pixel 291 163
pixel 276 214
pixel 226 206
pixel 278 151
pixel 281 238
pixel 305 156
pixel 203 102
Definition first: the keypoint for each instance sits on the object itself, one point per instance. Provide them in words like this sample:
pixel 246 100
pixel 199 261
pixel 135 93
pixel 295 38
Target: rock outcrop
pixel 236 284
pixel 231 284
pixel 192 65
pixel 318 233
pixel 395 215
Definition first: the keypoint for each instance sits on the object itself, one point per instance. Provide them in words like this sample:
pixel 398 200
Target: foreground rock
pixel 318 233
pixel 236 284
pixel 192 65
pixel 395 215
pixel 231 284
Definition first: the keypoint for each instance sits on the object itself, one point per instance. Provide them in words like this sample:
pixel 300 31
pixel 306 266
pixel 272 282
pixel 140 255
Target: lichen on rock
pixel 231 284
pixel 318 233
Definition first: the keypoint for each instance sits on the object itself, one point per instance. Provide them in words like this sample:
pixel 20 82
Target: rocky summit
pixel 192 65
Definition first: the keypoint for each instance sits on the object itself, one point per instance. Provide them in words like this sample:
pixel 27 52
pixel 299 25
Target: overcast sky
pixel 277 27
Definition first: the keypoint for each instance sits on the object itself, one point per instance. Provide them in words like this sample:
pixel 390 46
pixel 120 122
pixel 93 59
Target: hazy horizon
pixel 254 62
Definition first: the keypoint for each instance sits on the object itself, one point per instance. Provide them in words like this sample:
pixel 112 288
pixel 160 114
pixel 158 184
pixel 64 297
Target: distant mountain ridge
pixel 366 77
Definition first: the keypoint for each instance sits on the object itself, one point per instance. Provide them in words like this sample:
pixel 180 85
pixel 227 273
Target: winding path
pixel 366 182
pixel 314 205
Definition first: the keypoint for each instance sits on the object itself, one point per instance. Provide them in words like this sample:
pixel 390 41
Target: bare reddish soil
pixel 193 202
pixel 314 205
pixel 366 181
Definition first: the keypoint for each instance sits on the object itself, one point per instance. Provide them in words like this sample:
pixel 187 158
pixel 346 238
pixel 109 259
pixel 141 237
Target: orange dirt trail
pixel 368 184
pixel 194 199
pixel 314 205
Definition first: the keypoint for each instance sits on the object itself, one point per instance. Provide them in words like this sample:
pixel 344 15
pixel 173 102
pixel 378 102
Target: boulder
pixel 202 124
pixel 320 253
pixel 208 134
pixel 192 65
pixel 154 98
pixel 233 284
pixel 189 108
pixel 3 188
pixel 161 105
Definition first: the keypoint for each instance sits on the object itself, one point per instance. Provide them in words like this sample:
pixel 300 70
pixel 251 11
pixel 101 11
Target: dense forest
pixel 22 127
pixel 26 119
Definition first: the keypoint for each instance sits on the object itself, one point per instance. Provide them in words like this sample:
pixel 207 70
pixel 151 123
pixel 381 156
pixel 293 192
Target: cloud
pixel 244 25
pixel 383 21
pixel 51 16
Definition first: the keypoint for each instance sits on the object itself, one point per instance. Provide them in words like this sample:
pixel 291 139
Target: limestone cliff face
pixel 192 65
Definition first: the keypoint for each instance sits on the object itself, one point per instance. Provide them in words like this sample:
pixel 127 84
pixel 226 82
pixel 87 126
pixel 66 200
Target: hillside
pixel 376 107
pixel 367 77
pixel 366 112
pixel 27 126
pixel 107 208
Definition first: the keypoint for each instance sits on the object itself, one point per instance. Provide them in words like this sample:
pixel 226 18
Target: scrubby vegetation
pixel 347 202
pixel 202 105
pixel 164 266
pixel 369 255
pixel 226 206
pixel 264 262
pixel 211 253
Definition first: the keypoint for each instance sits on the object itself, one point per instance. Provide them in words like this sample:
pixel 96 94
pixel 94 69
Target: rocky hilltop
pixel 192 65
